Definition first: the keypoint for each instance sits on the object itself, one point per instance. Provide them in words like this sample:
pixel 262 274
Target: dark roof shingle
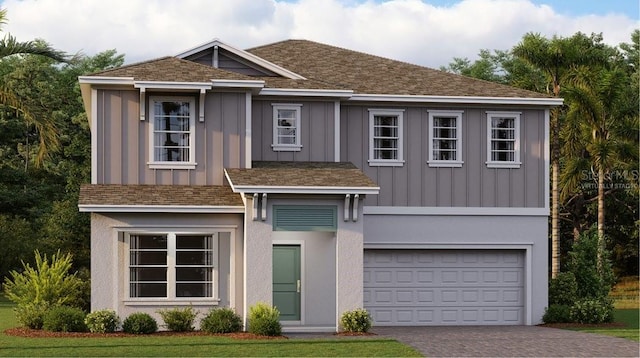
pixel 172 69
pixel 327 67
pixel 370 74
pixel 109 194
pixel 300 174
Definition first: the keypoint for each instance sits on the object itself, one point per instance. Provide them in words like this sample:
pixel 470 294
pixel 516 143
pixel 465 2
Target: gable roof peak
pixel 261 62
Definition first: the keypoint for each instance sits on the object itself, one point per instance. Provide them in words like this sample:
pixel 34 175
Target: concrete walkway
pixel 509 341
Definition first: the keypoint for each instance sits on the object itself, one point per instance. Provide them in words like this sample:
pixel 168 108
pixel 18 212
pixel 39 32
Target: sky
pixel 424 32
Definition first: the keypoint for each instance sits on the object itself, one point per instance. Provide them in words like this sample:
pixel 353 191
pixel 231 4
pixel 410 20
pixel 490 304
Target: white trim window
pixel 385 137
pixel 445 139
pixel 172 266
pixel 286 127
pixel 172 132
pixel 503 139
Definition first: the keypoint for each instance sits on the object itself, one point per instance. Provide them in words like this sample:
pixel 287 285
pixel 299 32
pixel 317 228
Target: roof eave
pixel 107 208
pixel 297 92
pixel 325 190
pixel 457 99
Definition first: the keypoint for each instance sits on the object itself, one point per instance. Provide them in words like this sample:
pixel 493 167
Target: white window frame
pixel 191 163
pixel 280 147
pixel 515 163
pixel 171 268
pixel 457 163
pixel 399 161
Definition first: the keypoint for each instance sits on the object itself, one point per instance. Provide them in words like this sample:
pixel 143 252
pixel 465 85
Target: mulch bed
pixel 39 333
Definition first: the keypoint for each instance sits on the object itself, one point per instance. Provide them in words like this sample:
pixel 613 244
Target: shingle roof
pixel 369 74
pixel 300 174
pixel 328 67
pixel 104 194
pixel 172 69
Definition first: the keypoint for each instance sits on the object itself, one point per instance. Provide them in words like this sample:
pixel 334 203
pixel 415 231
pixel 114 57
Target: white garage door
pixel 444 287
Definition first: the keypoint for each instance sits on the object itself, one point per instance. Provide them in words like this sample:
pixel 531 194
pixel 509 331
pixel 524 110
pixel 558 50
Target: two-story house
pixel 318 179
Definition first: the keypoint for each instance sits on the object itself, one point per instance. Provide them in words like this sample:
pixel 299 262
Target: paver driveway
pixel 509 341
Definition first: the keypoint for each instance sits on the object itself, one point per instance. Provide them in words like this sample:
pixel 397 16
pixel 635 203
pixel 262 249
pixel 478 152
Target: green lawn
pixel 629 317
pixel 191 345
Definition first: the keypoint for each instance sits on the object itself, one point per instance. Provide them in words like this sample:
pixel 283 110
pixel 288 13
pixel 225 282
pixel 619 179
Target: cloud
pixel 410 30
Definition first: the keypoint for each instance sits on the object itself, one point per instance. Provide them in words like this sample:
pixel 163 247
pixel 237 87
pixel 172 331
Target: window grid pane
pixel 445 141
pixel 194 266
pixel 385 137
pixel 148 266
pixel 286 127
pixel 503 139
pixel 172 122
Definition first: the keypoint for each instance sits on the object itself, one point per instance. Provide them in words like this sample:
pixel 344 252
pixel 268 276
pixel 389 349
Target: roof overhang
pixel 324 190
pixel 187 209
pixel 306 92
pixel 196 86
pixel 243 54
pixel 457 99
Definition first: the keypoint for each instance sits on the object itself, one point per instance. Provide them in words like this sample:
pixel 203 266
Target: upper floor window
pixel 286 127
pixel 445 142
pixel 172 126
pixel 503 139
pixel 172 266
pixel 385 137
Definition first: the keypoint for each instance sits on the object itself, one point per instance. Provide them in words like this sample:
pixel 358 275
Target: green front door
pixel 286 281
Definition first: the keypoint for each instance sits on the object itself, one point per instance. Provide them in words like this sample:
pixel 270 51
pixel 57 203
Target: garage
pixel 444 287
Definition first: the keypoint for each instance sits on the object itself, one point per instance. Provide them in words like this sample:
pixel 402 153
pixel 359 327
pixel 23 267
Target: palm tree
pixel 555 58
pixel 600 130
pixel 9 46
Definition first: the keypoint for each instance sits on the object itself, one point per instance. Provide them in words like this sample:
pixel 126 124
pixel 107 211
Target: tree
pixel 38 205
pixel 9 46
pixel 600 131
pixel 555 58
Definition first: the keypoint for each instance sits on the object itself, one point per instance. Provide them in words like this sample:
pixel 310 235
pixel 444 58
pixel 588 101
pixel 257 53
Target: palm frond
pixel 45 126
pixel 10 46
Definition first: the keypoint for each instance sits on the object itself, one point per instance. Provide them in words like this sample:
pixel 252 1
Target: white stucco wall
pixel 348 273
pixel 108 259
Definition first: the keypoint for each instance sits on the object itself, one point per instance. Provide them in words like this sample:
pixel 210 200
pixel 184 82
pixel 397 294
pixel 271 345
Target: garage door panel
pixel 432 287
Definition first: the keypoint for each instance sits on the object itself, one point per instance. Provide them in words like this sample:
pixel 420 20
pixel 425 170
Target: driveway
pixel 509 341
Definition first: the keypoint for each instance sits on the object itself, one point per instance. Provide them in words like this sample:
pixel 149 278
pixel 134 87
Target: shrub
pixel 31 315
pixel 264 320
pixel 139 323
pixel 221 320
pixel 563 289
pixel 557 313
pixel 64 319
pixel 48 284
pixel 103 321
pixel 357 320
pixel 592 311
pixel 178 319
pixel 594 276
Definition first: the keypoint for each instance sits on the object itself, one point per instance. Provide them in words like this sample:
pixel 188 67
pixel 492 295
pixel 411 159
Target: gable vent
pixel 304 218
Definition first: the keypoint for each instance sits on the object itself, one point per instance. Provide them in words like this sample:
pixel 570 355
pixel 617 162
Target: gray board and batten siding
pixel 123 140
pixel 415 183
pixel 317 128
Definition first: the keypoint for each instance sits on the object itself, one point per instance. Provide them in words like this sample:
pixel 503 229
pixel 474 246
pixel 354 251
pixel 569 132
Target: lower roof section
pixel 159 198
pixel 301 178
